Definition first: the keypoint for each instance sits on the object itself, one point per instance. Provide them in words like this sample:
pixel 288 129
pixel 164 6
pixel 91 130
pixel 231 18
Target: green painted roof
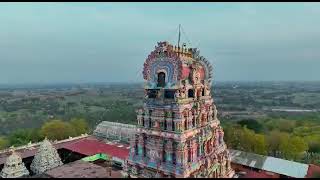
pixel 96 157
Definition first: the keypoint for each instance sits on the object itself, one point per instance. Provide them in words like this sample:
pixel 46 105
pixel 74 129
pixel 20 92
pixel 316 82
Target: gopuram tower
pixel 178 133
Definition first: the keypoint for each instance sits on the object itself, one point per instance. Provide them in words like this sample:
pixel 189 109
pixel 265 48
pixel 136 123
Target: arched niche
pixel 190 93
pixel 161 79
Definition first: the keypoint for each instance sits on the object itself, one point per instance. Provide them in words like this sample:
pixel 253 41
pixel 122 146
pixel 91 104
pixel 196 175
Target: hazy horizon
pixel 54 43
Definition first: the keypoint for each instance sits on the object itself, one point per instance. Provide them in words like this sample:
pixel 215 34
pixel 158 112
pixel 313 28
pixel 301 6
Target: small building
pixel 114 131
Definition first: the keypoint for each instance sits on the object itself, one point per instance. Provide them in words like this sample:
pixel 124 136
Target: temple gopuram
pixel 178 133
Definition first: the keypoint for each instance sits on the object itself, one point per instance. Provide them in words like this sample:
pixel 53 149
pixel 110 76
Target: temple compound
pixel 14 167
pixel 178 133
pixel 46 158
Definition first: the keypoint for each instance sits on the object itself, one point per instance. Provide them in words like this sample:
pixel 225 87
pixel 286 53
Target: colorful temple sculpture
pixel 178 133
pixel 45 159
pixel 14 167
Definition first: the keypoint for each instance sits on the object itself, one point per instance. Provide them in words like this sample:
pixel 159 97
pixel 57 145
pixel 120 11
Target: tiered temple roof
pixel 178 132
pixel 46 158
pixel 14 167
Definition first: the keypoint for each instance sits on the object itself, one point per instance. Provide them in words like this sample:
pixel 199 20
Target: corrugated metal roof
pixel 247 159
pixel 271 164
pixel 93 146
pixel 285 167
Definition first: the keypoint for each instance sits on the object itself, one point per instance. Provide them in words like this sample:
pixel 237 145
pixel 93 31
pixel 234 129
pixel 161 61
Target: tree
pixel 252 142
pixel 284 125
pixel 80 126
pixel 294 148
pixel 231 134
pixel 57 130
pixel 252 124
pixel 242 138
pixel 260 145
pixel 274 139
pixel 3 143
pixel 313 143
pixel 24 136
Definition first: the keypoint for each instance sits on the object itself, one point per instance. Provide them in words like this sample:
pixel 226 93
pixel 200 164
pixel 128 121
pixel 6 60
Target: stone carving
pixel 46 158
pixel 14 167
pixel 215 112
pixel 207 90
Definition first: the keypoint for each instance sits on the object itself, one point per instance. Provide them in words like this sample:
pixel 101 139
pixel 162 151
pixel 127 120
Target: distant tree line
pixel 54 129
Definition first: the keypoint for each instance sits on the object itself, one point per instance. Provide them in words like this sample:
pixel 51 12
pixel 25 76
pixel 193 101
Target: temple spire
pixel 46 158
pixel 14 167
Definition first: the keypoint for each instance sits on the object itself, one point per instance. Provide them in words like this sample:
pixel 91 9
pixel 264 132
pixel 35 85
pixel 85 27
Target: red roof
pixel 312 170
pixel 254 174
pixel 25 153
pixel 93 146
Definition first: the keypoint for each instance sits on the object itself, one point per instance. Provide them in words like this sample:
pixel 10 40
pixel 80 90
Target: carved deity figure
pixel 207 90
pixel 195 75
pixel 215 112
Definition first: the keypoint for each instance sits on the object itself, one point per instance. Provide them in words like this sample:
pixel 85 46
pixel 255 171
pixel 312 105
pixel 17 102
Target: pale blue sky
pixel 108 42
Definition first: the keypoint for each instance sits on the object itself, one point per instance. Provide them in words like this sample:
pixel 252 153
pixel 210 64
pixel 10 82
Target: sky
pixel 109 42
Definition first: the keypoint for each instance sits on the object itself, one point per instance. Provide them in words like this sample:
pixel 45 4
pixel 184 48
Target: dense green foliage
pixel 292 139
pixel 53 129
pixel 244 139
pixel 57 130
pixel 24 136
pixel 3 143
pixel 80 126
pixel 251 124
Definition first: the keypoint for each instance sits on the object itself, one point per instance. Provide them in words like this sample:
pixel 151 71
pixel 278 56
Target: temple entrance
pixel 161 79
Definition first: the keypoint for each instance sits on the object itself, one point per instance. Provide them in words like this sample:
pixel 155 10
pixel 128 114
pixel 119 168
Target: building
pixel 114 131
pixel 69 150
pixel 178 133
pixel 254 165
pixel 27 152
